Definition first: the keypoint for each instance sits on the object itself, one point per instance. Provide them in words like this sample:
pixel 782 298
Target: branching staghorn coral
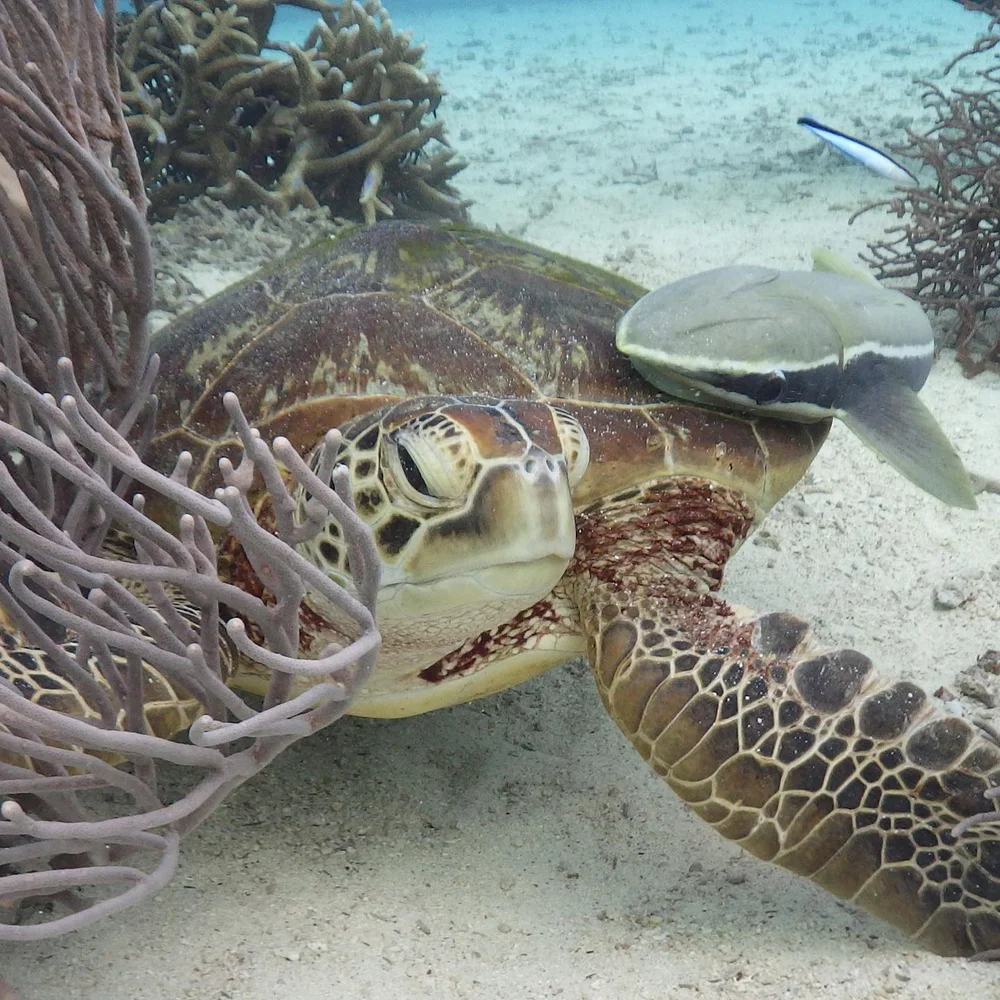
pixel 112 631
pixel 347 120
pixel 948 246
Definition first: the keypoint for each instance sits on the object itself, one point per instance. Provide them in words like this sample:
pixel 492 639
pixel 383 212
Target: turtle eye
pixel 428 468
pixel 772 388
pixel 411 471
pixel 575 445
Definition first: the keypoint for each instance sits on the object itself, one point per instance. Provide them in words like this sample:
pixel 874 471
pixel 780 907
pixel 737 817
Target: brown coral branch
pixel 947 246
pixel 991 7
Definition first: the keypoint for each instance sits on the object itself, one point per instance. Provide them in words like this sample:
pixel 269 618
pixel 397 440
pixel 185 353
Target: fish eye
pixel 771 389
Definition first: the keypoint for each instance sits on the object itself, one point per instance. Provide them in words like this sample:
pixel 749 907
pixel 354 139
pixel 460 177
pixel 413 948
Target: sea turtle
pixel 533 498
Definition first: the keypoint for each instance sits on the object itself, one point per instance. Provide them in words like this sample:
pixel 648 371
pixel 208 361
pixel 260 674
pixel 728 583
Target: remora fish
pixel 802 345
pixel 854 149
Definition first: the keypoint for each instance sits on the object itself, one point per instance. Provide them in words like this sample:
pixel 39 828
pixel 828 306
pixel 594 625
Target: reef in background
pixel 347 120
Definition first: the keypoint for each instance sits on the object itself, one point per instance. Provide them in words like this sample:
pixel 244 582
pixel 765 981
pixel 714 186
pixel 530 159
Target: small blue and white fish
pixel 861 152
pixel 802 345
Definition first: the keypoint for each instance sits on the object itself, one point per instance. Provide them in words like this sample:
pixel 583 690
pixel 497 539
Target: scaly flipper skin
pixel 167 707
pixel 802 756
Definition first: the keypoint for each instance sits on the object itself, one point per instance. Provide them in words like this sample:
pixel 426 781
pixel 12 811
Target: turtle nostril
pixel 530 466
pixel 551 465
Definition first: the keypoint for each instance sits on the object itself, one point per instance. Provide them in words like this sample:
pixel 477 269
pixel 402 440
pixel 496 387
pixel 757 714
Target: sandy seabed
pixel 516 847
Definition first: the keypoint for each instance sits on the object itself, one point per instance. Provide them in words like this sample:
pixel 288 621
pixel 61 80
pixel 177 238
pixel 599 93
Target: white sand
pixel 516 847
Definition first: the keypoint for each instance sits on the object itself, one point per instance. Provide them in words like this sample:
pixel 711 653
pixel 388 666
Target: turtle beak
pixel 501 554
pixel 522 514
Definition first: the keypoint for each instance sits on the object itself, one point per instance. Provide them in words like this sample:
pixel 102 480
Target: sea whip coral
pixel 111 624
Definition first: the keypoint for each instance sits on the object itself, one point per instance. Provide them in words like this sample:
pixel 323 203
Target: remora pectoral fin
pixel 890 418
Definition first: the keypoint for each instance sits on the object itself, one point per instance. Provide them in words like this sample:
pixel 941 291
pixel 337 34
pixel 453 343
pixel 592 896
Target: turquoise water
pixel 642 17
pixel 575 116
pixel 586 121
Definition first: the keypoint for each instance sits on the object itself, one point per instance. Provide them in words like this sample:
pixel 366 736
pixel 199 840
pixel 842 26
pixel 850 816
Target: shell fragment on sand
pixel 803 345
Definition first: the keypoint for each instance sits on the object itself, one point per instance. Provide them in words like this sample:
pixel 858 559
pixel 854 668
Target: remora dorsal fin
pixel 890 418
pixel 835 263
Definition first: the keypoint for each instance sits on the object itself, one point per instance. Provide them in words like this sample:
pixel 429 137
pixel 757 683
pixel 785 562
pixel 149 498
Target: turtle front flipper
pixel 802 756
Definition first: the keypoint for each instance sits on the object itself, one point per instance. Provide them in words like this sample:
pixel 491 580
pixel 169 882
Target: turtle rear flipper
pixel 802 756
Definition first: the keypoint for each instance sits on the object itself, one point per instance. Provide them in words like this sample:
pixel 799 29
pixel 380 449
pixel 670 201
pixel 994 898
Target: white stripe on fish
pixel 863 153
pixel 696 362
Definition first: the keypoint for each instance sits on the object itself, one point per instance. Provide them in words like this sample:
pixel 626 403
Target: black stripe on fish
pixel 816 386
pixel 865 372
